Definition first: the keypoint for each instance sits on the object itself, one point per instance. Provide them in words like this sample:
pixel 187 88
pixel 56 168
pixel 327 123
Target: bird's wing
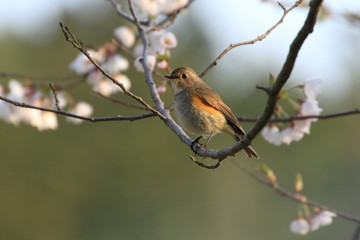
pixel 212 99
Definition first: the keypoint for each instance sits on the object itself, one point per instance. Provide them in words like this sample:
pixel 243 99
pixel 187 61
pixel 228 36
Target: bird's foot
pixel 195 145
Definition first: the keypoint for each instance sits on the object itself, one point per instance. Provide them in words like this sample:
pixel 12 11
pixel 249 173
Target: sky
pixel 325 54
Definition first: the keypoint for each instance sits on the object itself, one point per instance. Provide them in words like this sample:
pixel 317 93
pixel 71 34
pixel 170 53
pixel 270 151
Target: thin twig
pixel 293 118
pixel 292 196
pixel 259 38
pixel 55 96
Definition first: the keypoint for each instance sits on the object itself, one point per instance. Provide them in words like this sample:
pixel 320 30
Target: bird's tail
pixel 250 152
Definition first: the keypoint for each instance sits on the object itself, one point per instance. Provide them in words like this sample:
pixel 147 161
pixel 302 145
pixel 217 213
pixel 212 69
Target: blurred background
pixel 134 180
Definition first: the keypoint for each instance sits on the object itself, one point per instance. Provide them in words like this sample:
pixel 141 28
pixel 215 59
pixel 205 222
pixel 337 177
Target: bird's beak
pixel 169 77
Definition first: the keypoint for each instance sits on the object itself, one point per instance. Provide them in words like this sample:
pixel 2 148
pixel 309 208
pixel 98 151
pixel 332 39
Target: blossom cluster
pixel 302 226
pixel 29 94
pixel 298 128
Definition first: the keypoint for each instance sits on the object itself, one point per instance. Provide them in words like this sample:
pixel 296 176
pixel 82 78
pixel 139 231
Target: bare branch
pixel 259 38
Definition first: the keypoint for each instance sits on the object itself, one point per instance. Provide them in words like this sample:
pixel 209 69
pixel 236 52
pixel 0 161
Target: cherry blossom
pixel 82 109
pixel 126 36
pixel 300 226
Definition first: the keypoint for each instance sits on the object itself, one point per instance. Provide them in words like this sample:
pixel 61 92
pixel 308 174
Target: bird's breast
pixel 197 117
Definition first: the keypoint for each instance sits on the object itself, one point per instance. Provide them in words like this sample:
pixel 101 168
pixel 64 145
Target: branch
pixel 259 38
pixel 287 194
pixel 69 36
pixel 293 118
pixel 90 119
pixel 356 235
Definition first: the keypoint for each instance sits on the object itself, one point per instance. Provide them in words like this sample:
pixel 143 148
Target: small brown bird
pixel 200 110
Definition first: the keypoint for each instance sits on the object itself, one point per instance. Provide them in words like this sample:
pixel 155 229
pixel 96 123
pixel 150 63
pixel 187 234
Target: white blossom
pixel 126 36
pixel 310 107
pixel 105 86
pixel 82 65
pixel 124 80
pixel 44 120
pixel 115 64
pixel 312 87
pixel 300 226
pixel 82 109
pixel 172 5
pixel 150 7
pixel 61 98
pixel 323 218
pixel 168 40
pixel 302 125
pixel 272 134
pixel 151 61
pixel 156 45
pixel 291 134
pixel 138 50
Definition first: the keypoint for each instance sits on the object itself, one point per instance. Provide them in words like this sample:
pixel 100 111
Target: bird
pixel 199 109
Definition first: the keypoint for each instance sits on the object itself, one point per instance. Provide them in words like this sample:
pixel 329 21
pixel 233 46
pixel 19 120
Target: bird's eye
pixel 184 75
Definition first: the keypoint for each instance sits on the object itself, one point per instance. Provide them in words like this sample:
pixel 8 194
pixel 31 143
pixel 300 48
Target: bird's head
pixel 182 78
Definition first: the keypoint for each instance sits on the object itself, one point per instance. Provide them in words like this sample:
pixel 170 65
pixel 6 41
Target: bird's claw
pixel 195 145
